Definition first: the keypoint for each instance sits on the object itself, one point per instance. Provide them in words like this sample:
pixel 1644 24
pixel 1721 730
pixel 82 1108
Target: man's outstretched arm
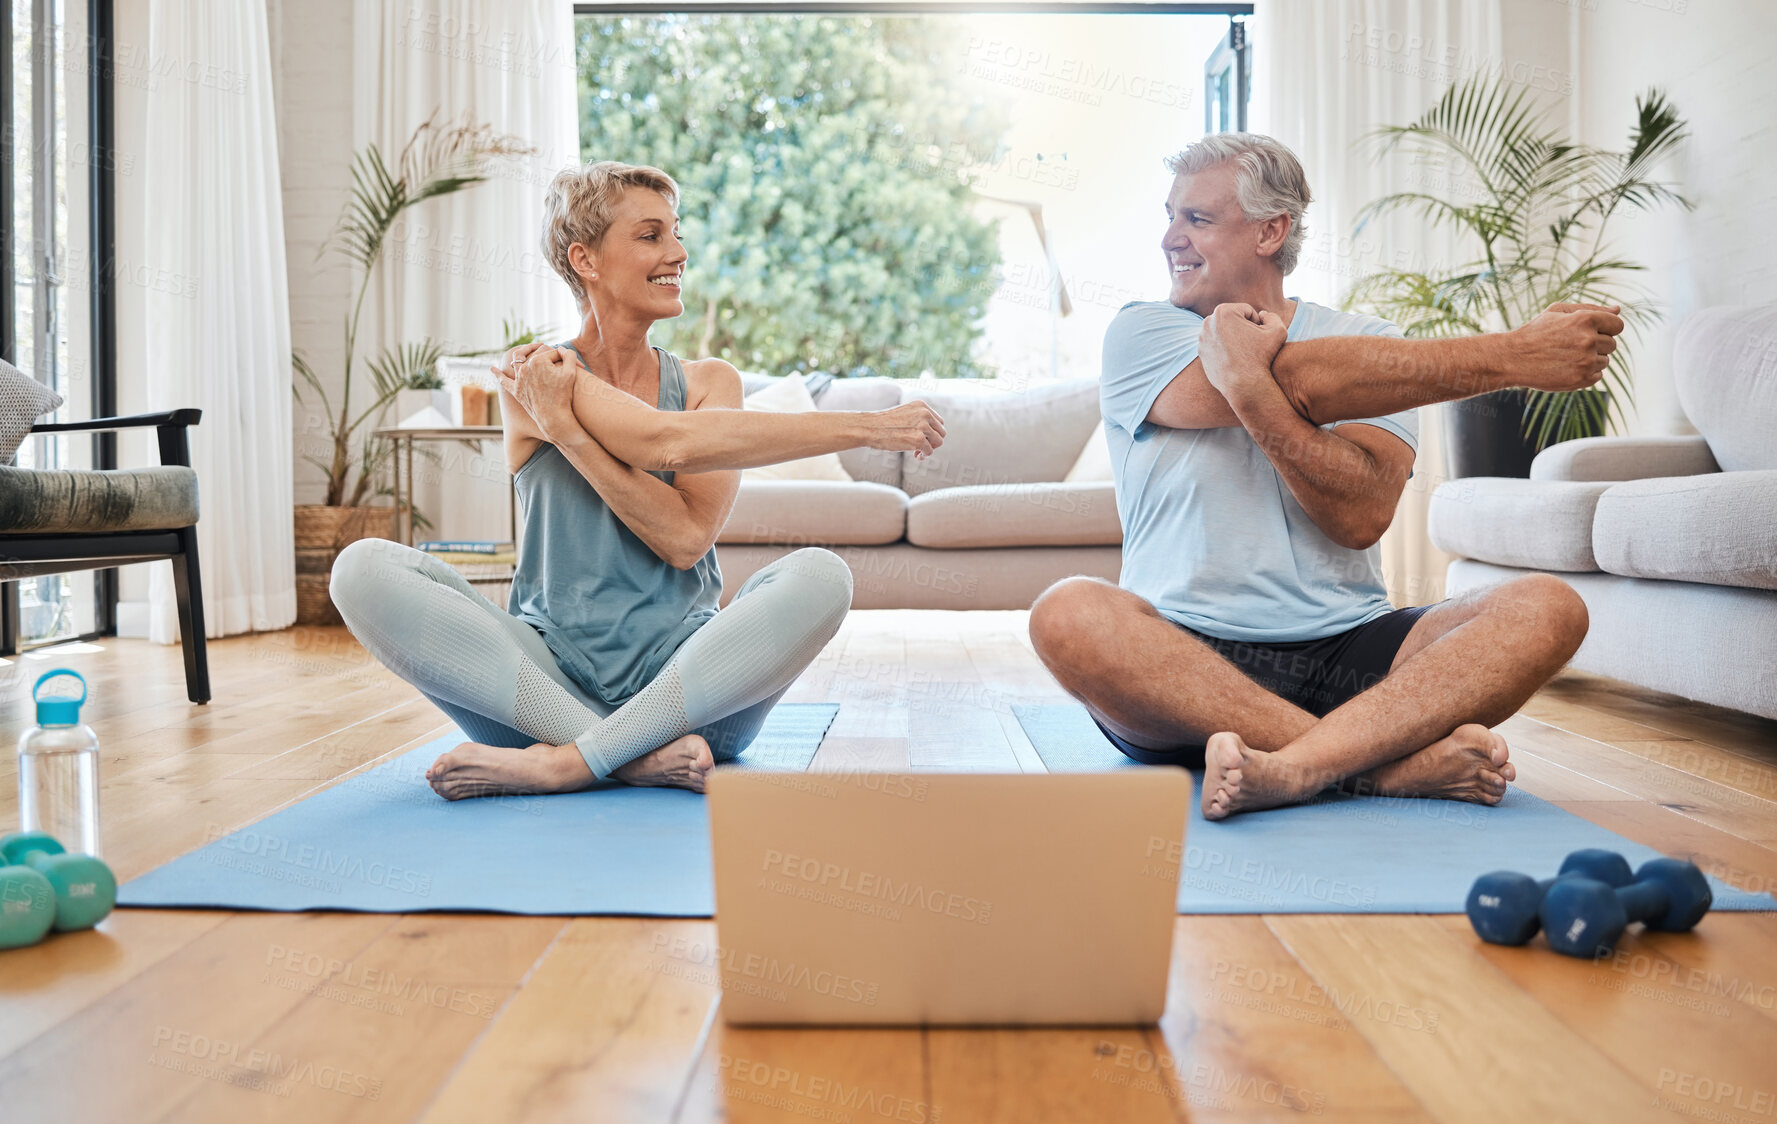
pixel 1338 378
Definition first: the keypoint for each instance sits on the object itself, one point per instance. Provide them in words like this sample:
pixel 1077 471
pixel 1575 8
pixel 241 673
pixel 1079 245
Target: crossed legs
pixel 536 730
pixel 1468 664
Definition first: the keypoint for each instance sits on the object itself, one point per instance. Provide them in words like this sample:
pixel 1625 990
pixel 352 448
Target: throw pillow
pixel 22 401
pixel 789 395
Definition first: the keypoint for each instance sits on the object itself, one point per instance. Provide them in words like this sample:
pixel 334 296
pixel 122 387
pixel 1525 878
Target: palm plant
pixel 437 160
pixel 1538 206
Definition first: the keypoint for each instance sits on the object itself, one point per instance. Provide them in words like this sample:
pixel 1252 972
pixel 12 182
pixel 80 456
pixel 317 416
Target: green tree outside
pixel 824 168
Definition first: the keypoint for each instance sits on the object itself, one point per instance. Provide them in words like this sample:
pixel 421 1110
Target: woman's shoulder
pixel 711 382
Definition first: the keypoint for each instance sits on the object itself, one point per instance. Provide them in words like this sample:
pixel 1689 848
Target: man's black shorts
pixel 1316 675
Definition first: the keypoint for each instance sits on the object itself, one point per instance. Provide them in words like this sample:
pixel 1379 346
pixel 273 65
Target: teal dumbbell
pixel 27 906
pixel 84 887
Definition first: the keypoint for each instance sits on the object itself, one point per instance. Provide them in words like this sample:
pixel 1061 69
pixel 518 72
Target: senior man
pixel 1260 445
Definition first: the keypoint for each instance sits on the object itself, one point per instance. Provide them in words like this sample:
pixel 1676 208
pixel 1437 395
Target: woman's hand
pixel 913 428
pixel 542 380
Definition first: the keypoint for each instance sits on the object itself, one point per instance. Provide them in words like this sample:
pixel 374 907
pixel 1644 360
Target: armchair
pixel 56 520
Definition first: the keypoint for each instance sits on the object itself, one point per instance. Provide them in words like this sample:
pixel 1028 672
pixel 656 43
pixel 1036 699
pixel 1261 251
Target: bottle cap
pixel 58 710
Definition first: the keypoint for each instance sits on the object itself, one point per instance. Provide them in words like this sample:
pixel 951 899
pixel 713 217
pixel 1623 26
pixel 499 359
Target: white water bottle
pixel 59 771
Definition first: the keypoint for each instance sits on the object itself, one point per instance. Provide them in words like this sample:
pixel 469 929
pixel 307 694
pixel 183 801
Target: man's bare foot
pixel 1239 778
pixel 474 769
pixel 1471 764
pixel 679 764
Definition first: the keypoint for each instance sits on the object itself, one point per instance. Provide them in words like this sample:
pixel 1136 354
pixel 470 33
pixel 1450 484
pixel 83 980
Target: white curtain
pixel 462 264
pixel 218 326
pixel 1325 74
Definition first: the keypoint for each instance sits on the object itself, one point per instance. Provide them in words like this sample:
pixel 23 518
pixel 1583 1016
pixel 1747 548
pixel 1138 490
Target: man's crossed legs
pixel 1422 730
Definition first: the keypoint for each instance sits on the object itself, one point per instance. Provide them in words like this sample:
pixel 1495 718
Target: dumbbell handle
pixel 1644 901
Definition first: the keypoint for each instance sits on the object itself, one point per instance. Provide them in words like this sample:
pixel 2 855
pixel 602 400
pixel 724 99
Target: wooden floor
pixel 197 1016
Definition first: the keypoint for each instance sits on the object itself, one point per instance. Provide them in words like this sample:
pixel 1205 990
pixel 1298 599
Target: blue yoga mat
pixel 1352 854
pixel 384 842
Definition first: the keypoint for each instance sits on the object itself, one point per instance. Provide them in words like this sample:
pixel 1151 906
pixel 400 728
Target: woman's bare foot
pixel 679 764
pixel 1239 778
pixel 474 769
pixel 1471 764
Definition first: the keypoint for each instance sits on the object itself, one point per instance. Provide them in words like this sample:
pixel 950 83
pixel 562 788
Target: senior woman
pixel 612 659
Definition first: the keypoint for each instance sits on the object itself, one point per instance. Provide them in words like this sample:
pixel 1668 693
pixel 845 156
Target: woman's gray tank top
pixel 609 608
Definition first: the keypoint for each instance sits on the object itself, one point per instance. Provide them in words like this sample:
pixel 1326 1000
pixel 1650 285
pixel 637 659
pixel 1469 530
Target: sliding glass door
pixel 54 295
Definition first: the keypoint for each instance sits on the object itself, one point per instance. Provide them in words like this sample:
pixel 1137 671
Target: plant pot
pixel 1485 435
pixel 322 531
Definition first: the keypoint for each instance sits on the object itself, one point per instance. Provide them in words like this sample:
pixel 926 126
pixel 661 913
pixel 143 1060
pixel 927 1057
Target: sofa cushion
pixel 1041 514
pixel 59 501
pixel 816 513
pixel 1724 365
pixel 1719 529
pixel 1539 524
pixel 995 437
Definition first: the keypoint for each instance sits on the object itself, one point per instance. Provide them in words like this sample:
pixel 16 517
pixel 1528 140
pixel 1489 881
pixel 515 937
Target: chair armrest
pixel 1624 458
pixel 187 416
pixel 170 425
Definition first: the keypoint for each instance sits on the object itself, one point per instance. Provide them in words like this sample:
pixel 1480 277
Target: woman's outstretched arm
pixel 554 388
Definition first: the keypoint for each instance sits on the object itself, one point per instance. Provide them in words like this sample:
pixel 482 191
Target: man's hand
pixel 542 379
pixel 1237 345
pixel 1567 347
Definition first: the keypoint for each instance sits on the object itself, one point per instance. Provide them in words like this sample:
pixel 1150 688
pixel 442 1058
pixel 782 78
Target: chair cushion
pixel 1724 365
pixel 62 501
pixel 1040 514
pixel 22 401
pixel 1537 524
pixel 999 437
pixel 1719 529
pixel 816 513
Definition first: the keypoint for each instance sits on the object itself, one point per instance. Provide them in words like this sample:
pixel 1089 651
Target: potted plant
pixel 436 161
pixel 1537 207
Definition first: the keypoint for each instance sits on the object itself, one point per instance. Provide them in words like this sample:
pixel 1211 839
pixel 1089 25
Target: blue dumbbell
pixel 1504 906
pixel 1585 917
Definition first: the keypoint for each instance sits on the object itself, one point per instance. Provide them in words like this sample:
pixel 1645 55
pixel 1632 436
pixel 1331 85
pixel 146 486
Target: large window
pixel 968 193
pixel 54 210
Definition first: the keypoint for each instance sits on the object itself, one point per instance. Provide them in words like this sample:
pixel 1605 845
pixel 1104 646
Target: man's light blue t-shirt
pixel 1212 536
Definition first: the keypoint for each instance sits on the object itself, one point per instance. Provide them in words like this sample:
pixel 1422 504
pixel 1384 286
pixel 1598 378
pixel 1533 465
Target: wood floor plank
pixel 1728 729
pixel 1718 805
pixel 374 1036
pixel 860 755
pixel 1498 1053
pixel 755 1075
pixel 46 983
pixel 1754 774
pixel 186 1021
pixel 1234 985
pixel 611 1017
pixel 951 722
pixel 1053 1076
pixel 1680 1048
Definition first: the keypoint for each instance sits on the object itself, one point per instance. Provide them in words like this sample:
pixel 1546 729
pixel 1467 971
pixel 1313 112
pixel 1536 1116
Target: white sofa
pixel 1671 541
pixel 986 522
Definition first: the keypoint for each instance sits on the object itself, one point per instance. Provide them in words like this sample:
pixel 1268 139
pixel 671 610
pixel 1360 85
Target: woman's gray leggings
pixel 493 674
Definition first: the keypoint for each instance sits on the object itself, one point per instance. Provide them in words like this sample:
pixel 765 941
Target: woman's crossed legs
pixel 535 730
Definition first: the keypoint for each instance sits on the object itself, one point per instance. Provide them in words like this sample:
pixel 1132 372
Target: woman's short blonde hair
pixel 579 204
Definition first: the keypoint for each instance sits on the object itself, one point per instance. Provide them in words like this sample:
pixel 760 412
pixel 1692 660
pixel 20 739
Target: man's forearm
pixel 1339 484
pixel 1338 378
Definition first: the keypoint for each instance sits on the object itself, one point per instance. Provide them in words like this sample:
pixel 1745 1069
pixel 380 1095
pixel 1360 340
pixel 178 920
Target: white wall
pixel 1713 59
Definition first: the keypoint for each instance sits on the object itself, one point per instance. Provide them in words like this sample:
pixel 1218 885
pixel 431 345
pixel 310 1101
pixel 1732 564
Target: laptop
pixel 946 898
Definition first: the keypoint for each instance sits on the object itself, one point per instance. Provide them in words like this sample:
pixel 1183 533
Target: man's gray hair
pixel 1268 181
